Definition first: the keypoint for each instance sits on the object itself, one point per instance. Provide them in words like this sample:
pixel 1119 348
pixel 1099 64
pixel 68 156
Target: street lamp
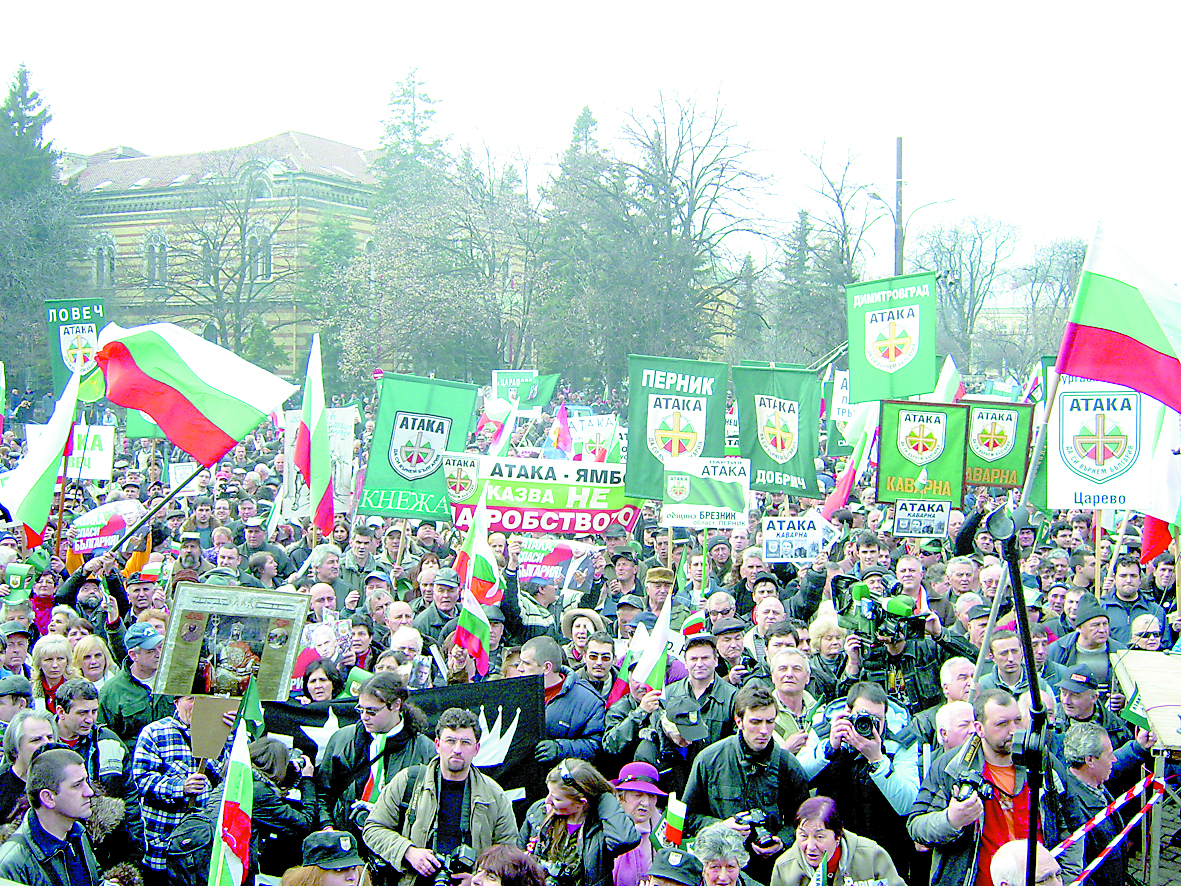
pixel 895 211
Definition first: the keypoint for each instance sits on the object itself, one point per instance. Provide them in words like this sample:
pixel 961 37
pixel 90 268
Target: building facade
pixel 218 242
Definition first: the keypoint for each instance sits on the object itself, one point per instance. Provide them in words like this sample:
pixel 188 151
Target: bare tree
pixel 230 253
pixel 1046 286
pixel 968 259
pixel 822 254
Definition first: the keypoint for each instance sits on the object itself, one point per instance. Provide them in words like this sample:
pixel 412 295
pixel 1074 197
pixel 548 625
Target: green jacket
pixel 386 833
pixel 126 706
pixel 23 861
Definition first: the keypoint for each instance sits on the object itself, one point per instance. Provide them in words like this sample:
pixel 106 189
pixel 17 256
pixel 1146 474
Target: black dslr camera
pixel 460 861
pixel 864 724
pixel 969 783
pixel 760 831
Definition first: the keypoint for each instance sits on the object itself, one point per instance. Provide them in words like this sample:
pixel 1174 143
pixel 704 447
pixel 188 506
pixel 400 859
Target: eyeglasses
pixel 718 613
pixel 368 712
pixel 1148 634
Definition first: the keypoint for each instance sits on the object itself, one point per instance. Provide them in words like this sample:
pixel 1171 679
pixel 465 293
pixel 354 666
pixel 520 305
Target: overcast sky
pixel 1050 116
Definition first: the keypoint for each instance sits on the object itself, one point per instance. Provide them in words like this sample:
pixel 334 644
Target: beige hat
pixel 569 617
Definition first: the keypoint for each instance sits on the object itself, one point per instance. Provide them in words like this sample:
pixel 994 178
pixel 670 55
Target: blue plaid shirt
pixel 162 761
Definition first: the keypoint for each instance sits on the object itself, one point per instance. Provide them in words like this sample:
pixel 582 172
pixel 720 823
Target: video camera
pixel 870 615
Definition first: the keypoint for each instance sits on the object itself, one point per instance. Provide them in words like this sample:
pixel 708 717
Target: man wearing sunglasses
pixel 1126 602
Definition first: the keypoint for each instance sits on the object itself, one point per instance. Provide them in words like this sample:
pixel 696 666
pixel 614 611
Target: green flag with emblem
pixel 676 409
pixel 892 337
pixel 998 443
pixel 779 420
pixel 922 448
pixel 419 420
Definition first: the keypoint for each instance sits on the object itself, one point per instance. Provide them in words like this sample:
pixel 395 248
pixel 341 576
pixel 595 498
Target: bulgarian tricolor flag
pixel 476 561
pixel 312 456
pixel 474 632
pixel 27 490
pixel 202 396
pixel 950 387
pixel 862 430
pixel 1156 538
pixel 1125 327
pixel 653 663
pixel 674 820
pixel 231 854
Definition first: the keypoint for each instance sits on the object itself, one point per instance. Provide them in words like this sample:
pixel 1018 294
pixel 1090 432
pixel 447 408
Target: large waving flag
pixel 1125 327
pixel 231 853
pixel 862 430
pixel 474 632
pixel 27 490
pixel 312 456
pixel 202 396
pixel 476 561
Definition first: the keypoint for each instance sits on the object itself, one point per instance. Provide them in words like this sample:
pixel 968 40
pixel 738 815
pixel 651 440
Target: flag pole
pixel 1039 443
pixel 1098 530
pixel 66 479
pixel 61 501
pixel 150 514
pixel 1123 529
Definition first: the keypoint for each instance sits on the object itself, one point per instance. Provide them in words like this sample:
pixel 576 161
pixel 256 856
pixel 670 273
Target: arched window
pixel 208 264
pixel 258 255
pixel 156 258
pixel 104 262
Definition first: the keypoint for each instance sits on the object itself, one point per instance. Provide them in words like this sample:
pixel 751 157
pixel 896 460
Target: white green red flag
pixel 312 454
pixel 674 820
pixel 476 561
pixel 1125 327
pixel 620 688
pixel 230 860
pixel 474 632
pixel 205 398
pixel 27 490
pixel 950 387
pixel 654 661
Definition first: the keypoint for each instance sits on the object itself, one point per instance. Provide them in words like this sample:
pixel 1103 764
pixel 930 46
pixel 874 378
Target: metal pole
pixel 899 233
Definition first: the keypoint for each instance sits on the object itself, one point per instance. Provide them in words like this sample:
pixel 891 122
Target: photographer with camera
pixel 890 645
pixel 853 754
pixel 977 799
pixel 432 821
pixel 749 783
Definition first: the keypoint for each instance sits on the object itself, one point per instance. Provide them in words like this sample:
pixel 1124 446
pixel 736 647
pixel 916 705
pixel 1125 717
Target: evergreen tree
pixel 27 160
pixel 39 233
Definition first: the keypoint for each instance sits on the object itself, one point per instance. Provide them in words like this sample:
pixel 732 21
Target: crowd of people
pixel 803 746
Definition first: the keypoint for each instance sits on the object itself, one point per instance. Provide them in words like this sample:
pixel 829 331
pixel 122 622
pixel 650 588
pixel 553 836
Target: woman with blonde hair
pixel 93 660
pixel 52 665
pixel 828 654
pixel 578 830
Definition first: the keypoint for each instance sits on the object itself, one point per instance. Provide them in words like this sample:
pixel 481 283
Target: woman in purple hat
pixel 637 787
